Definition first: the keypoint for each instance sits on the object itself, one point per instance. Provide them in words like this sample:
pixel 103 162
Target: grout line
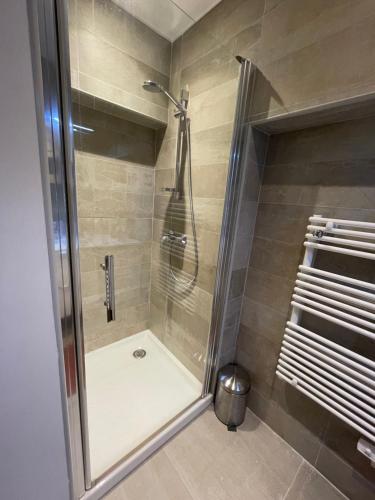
pixel 317 207
pixel 275 240
pixel 94 32
pixel 251 242
pixel 106 159
pixel 266 306
pixel 323 437
pixel 152 250
pixel 126 92
pixel 178 7
pixel 296 452
pixel 294 478
pixel 325 478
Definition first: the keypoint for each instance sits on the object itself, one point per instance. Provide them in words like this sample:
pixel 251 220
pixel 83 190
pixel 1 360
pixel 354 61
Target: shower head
pixel 155 87
pixel 152 86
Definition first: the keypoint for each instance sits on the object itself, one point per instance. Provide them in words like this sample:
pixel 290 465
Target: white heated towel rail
pixel 337 378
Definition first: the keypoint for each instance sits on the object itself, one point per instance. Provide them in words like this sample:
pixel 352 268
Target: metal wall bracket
pixel 368 449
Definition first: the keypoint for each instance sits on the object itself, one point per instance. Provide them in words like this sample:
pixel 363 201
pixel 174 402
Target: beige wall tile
pixel 213 69
pixel 216 106
pixel 114 53
pixel 164 178
pixel 209 181
pixel 126 256
pixel 113 231
pixel 222 23
pixel 310 63
pixel 101 60
pixel 115 205
pixel 211 146
pixel 325 170
pixel 167 154
pixel 101 89
pixel 125 32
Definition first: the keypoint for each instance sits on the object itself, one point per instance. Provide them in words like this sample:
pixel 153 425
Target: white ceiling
pixel 169 18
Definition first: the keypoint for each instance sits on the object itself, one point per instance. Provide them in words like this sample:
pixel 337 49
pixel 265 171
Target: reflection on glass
pixel 150 176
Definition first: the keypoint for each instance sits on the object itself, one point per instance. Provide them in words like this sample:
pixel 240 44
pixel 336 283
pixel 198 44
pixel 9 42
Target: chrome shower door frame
pixel 235 180
pixel 48 21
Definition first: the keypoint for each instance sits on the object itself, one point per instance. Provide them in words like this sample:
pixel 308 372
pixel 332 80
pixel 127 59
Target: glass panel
pixel 150 195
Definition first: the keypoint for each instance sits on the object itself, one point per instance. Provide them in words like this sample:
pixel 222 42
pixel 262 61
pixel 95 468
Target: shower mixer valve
pixel 172 237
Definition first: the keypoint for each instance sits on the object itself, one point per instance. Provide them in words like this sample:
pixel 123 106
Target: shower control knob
pixel 171 237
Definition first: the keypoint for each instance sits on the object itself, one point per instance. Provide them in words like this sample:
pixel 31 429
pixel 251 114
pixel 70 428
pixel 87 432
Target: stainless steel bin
pixel 233 386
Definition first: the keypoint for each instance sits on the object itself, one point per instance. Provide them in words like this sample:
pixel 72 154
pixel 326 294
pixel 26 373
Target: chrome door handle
pixel 108 268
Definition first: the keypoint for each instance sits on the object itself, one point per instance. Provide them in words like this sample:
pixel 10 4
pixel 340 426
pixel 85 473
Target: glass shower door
pixel 139 373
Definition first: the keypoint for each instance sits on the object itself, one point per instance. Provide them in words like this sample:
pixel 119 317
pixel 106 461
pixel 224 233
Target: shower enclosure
pixel 152 142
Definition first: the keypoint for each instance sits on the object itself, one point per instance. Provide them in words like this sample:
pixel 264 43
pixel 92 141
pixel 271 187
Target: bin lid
pixel 234 379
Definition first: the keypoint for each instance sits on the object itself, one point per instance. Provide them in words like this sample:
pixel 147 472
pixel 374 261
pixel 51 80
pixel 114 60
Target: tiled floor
pixel 206 462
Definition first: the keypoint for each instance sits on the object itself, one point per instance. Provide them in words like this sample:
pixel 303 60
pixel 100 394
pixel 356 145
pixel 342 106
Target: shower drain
pixel 139 353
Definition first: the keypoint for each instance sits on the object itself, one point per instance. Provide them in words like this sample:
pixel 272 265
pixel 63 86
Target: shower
pixel 178 242
pixel 155 87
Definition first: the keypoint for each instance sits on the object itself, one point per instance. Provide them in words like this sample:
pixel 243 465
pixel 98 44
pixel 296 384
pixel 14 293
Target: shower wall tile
pixel 166 157
pixel 89 85
pixel 186 336
pixel 85 14
pixel 211 145
pixel 203 185
pixel 222 23
pixel 313 52
pixel 283 264
pixel 113 53
pixel 107 119
pixel 158 314
pixel 120 29
pixel 203 62
pixel 268 289
pixel 216 106
pixel 164 178
pixel 283 222
pixel 108 335
pixel 126 255
pixel 207 263
pixel 203 75
pixel 270 4
pixel 81 15
pixel 264 319
pixel 245 43
pixel 109 231
pixel 261 359
pixel 327 170
pixel 112 137
pixel 340 187
pixel 208 212
pixel 109 64
pixel 115 209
